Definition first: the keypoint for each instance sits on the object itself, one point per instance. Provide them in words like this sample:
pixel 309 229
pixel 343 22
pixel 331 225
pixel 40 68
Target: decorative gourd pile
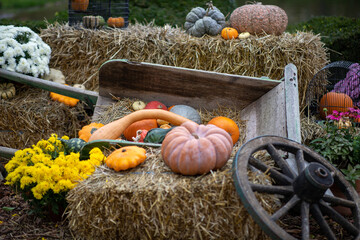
pixel 188 147
pixel 255 19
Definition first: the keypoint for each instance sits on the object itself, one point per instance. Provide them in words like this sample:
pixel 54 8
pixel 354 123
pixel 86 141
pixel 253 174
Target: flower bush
pixel 23 51
pixel 44 173
pixel 341 144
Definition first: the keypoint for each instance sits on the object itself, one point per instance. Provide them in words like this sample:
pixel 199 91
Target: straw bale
pixel 150 201
pixel 31 116
pixel 79 53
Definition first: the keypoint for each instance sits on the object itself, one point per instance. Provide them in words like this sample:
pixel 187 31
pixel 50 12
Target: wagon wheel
pixel 304 195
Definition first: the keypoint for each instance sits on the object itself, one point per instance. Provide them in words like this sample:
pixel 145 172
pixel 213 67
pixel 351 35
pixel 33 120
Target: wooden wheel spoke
pixel 339 201
pixel 305 225
pixel 274 153
pixel 300 161
pixel 324 226
pixel 281 190
pixel 284 209
pixel 276 175
pixel 329 211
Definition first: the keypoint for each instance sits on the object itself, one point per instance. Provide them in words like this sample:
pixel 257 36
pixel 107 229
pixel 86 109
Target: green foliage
pixel 172 12
pixel 336 145
pixel 24 3
pixel 352 173
pixel 340 34
pixel 341 148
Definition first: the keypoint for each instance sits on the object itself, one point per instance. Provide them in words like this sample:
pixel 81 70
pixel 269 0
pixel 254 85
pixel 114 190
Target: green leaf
pixel 8 208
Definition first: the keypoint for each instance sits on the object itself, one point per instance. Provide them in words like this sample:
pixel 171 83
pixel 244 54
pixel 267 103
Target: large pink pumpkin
pixel 259 19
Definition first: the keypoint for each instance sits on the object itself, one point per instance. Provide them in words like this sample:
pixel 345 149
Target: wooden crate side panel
pixel 174 85
pixel 277 112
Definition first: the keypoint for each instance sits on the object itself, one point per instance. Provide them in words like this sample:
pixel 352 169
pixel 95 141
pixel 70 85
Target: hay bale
pixel 150 201
pixel 80 52
pixel 31 116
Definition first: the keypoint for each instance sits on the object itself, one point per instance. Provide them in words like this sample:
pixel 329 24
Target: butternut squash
pixel 114 129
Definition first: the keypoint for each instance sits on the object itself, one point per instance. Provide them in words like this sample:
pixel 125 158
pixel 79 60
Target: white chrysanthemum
pixel 34 71
pixel 11 66
pixel 23 66
pixel 23 43
pixel 3 47
pixel 18 51
pixel 2 61
pixel 9 53
pixel 12 42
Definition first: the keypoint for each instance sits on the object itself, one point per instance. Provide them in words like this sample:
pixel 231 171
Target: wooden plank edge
pixel 89 97
pixel 7 153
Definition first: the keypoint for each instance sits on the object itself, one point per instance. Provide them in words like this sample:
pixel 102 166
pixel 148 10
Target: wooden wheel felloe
pixel 301 179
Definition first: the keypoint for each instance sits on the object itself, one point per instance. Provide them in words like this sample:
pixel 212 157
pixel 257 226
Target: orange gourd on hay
pixel 79 5
pixel 228 125
pixel 146 124
pixel 334 101
pixel 117 22
pixel 125 158
pixel 229 33
pixel 86 131
pixel 64 99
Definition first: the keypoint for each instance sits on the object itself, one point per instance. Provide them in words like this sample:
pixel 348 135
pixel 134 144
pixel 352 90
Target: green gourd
pixel 156 135
pixel 200 21
pixel 72 145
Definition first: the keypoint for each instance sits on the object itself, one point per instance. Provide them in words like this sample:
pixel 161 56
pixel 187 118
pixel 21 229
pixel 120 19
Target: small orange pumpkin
pixel 79 5
pixel 125 158
pixel 192 149
pixel 334 101
pixel 228 125
pixel 86 131
pixel 64 99
pixel 116 22
pixel 146 124
pixel 229 33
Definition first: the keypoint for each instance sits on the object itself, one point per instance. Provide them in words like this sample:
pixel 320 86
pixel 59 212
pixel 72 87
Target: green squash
pixel 156 135
pixel 72 145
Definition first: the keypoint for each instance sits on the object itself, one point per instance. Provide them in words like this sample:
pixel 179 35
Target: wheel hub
pixel 312 183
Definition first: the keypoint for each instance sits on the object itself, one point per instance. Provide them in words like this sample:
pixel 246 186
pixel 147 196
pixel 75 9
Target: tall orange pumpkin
pixel 334 101
pixel 259 19
pixel 79 5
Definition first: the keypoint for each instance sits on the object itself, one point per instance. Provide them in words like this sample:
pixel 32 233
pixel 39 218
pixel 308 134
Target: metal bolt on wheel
pixel 302 188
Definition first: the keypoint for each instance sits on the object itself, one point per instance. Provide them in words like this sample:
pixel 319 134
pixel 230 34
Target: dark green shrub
pixel 340 34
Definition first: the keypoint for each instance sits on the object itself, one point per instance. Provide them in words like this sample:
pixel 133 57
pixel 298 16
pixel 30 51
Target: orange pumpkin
pixel 334 101
pixel 125 158
pixel 229 33
pixel 146 124
pixel 192 149
pixel 88 130
pixel 64 99
pixel 116 22
pixel 228 125
pixel 79 5
pixel 259 19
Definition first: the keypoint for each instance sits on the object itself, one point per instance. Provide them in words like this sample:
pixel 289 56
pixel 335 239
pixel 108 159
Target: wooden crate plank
pixel 174 85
